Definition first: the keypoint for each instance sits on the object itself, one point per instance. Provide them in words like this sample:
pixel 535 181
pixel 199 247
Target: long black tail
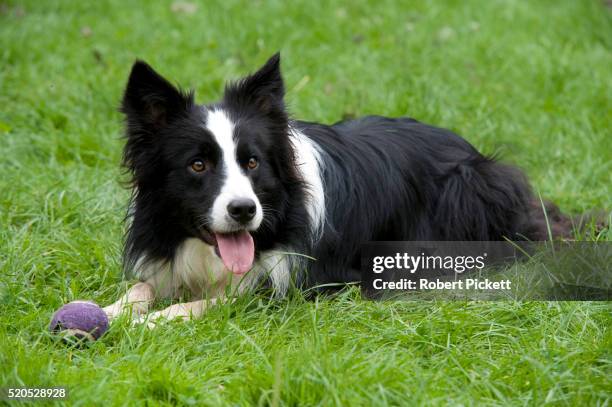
pixel 547 221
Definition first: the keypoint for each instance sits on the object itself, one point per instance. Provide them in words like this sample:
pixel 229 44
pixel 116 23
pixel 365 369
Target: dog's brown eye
pixel 198 166
pixel 253 163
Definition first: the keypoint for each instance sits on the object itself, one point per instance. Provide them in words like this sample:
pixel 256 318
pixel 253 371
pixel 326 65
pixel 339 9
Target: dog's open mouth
pixel 236 249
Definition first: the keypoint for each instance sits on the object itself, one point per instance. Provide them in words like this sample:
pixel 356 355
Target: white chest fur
pixel 196 270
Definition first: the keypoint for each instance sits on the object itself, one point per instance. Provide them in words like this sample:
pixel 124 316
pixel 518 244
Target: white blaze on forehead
pixel 236 184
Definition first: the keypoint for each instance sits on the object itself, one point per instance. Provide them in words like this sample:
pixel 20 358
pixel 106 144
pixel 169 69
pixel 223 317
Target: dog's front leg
pixel 183 310
pixel 137 300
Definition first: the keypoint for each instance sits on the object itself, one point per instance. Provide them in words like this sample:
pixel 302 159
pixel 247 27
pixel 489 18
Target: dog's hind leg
pixel 136 300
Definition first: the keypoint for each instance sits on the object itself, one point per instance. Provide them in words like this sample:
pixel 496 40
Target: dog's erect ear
pixel 150 101
pixel 263 89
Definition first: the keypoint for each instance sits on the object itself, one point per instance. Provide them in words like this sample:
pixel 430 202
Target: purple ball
pixel 80 319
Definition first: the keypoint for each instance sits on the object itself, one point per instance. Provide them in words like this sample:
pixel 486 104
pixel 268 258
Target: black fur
pixel 398 179
pixel 384 178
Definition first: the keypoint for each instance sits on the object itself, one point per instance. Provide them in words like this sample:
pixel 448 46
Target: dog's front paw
pixel 120 309
pixel 155 319
pixel 147 321
pixel 115 311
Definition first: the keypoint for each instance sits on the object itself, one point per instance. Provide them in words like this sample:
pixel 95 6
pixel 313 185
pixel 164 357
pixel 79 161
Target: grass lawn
pixel 530 81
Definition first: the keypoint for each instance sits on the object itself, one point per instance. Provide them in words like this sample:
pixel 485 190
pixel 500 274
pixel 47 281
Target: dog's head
pixel 221 172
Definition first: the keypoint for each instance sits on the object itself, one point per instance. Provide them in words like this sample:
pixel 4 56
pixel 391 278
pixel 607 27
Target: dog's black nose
pixel 242 210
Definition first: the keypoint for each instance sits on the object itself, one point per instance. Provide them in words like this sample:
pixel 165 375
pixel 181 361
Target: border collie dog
pixel 237 193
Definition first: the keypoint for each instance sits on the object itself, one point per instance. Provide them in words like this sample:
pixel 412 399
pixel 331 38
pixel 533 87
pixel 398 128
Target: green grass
pixel 528 80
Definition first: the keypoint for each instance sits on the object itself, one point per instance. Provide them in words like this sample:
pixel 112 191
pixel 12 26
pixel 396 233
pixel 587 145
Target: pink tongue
pixel 237 250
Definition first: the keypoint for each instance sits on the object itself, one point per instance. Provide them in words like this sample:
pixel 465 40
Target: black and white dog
pixel 238 193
